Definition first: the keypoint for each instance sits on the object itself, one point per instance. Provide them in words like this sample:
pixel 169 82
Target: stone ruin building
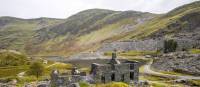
pixel 65 79
pixel 114 70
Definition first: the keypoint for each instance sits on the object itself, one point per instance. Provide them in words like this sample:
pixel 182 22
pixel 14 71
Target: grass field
pixel 194 51
pixel 194 82
pixel 12 71
pixel 133 53
pixel 112 84
pixel 9 73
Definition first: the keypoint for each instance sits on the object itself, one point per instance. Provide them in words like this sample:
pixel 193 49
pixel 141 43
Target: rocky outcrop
pixel 181 62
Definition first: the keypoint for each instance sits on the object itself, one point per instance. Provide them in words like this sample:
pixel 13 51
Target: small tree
pixel 170 46
pixel 36 69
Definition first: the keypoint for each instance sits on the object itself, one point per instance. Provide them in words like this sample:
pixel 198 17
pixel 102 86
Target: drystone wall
pixel 148 45
pixel 139 45
pixel 187 44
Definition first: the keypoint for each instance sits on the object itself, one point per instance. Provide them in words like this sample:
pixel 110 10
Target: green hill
pixel 12 58
pixel 182 22
pixel 87 30
pixel 90 27
pixel 15 32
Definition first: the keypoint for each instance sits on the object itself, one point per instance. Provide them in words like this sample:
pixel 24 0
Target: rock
pixel 148 56
pixel 181 62
pixel 74 85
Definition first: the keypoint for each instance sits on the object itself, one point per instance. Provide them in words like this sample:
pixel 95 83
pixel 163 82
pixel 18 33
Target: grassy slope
pixel 162 22
pixel 10 72
pixel 90 35
pixel 15 33
pixel 133 53
pixel 87 29
pixel 90 27
pixel 11 58
pixel 63 35
pixel 148 28
pixel 194 51
pixel 105 32
pixel 12 63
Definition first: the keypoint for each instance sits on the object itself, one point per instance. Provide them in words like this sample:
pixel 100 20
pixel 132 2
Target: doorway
pixel 131 75
pixel 113 77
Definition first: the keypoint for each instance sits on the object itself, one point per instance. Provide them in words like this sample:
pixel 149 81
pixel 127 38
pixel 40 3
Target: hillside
pixel 86 30
pixel 15 32
pixel 12 58
pixel 181 23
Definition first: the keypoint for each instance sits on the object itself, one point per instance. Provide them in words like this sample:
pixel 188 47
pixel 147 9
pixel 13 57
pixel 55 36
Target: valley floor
pixel 147 74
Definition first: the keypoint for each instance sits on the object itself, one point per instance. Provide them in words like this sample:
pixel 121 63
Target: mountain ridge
pixel 15 32
pixel 88 29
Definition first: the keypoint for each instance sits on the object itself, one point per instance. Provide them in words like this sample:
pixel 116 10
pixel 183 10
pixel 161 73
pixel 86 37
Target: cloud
pixel 65 8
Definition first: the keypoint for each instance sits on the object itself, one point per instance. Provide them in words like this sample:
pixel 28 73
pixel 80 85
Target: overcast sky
pixel 65 8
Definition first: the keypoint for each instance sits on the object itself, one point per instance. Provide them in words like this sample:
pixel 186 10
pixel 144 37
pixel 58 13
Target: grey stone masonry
pixel 119 72
pixel 138 45
pixel 114 70
pixel 149 45
pixel 66 80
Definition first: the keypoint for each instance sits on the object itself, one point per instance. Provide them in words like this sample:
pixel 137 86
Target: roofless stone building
pixel 114 70
pixel 66 79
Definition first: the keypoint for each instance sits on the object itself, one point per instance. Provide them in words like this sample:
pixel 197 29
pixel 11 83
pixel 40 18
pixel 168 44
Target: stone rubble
pixel 182 62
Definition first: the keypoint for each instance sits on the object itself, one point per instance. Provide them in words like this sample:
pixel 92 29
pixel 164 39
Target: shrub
pixel 36 69
pixel 170 46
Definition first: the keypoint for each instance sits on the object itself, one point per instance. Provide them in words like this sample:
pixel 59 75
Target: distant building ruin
pixel 65 79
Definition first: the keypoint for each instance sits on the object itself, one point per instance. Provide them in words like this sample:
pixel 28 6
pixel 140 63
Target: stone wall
pixel 187 44
pixel 139 45
pixel 148 45
pixel 65 80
